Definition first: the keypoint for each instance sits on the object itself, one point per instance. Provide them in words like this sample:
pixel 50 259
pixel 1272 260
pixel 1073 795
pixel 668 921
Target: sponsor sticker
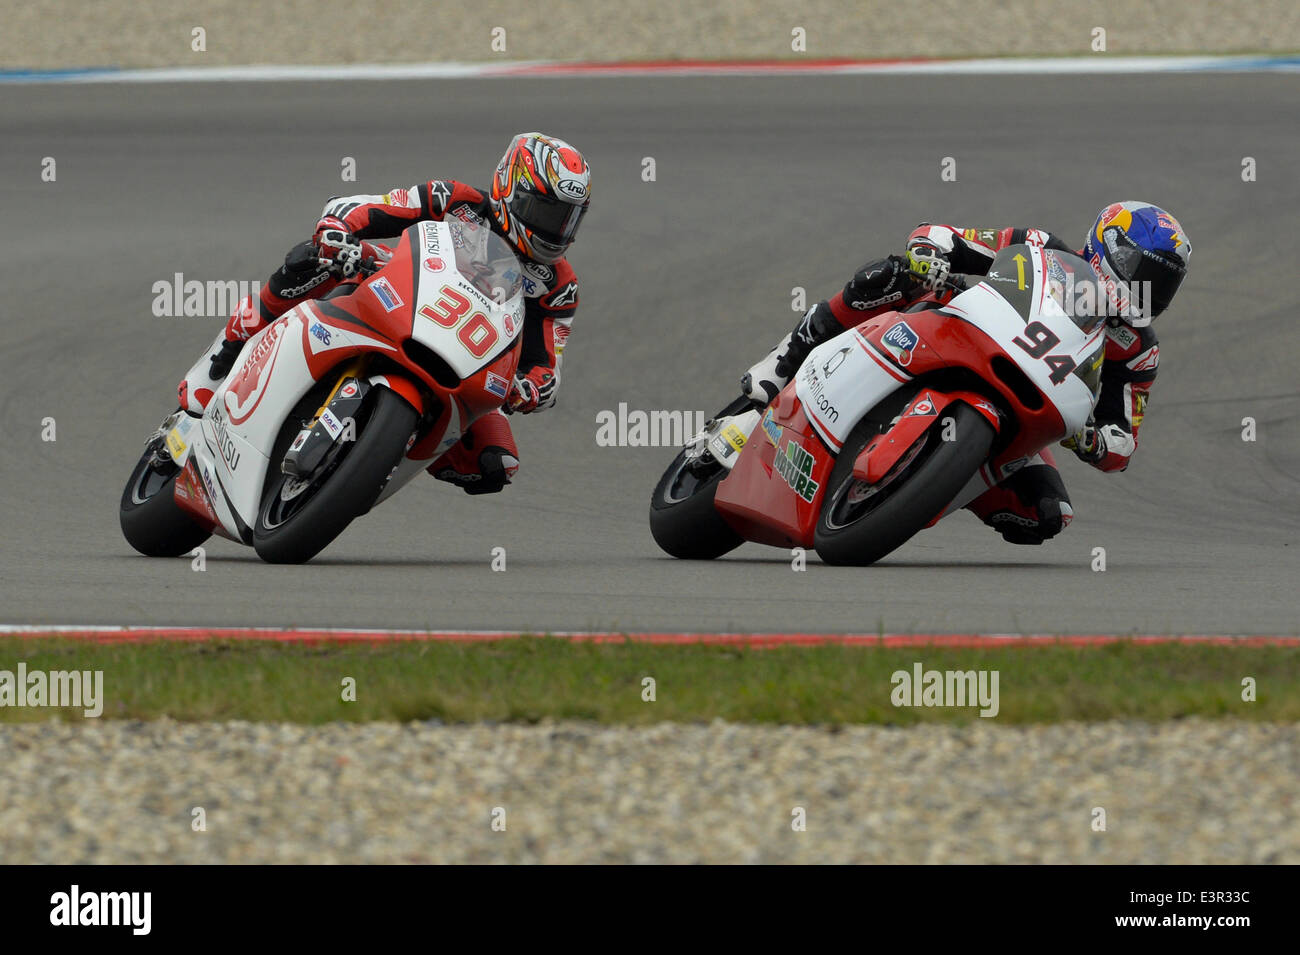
pixel 571 188
pixel 348 390
pixel 795 464
pixel 817 394
pixel 466 213
pixel 772 429
pixel 207 481
pixel 496 385
pixel 734 437
pixel 320 333
pixel 299 441
pixel 1122 335
pixel 1055 269
pixel 225 443
pixel 432 244
pixel 900 340
pixel 189 480
pixel 835 361
pixel 542 273
pixel 387 295
pixel 923 408
pixel 434 264
pixel 331 423
pixel 176 445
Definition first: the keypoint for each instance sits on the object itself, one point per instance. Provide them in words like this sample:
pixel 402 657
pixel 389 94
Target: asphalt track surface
pixel 762 184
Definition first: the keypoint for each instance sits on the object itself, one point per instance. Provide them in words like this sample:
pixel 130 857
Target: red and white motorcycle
pixel 338 403
pixel 894 424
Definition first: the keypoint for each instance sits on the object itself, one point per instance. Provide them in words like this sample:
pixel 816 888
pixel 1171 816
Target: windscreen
pixel 485 260
pixel 1066 279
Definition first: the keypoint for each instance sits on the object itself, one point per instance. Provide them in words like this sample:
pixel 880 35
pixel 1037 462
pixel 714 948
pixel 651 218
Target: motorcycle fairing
pixel 923 411
pixel 774 491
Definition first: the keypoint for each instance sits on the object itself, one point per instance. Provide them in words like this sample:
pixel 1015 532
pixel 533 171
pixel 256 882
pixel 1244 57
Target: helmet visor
pixel 552 220
pixel 1153 278
pixel 1156 280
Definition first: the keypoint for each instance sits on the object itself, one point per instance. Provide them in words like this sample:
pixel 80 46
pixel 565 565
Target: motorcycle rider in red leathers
pixel 1139 253
pixel 539 195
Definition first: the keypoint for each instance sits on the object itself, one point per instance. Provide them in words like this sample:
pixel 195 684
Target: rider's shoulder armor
pixel 554 286
pixel 1136 349
pixel 457 198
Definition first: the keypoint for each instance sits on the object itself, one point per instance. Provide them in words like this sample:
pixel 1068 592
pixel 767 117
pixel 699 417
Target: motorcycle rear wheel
pixel 683 520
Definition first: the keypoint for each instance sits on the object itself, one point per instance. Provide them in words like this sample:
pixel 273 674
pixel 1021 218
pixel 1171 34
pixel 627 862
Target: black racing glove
pixel 878 283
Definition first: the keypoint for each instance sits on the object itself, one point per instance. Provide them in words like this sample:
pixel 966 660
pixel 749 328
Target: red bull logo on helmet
pixel 1114 215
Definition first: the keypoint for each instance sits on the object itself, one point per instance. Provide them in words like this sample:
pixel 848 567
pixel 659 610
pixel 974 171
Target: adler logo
pixel 74 907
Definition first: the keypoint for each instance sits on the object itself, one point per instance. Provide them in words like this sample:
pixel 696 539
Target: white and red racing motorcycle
pixel 892 425
pixel 338 403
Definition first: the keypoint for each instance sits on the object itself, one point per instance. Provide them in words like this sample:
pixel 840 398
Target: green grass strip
pixel 537 678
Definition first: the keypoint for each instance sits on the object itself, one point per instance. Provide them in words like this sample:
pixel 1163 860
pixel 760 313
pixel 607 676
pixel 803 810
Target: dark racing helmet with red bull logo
pixel 1140 253
pixel 540 193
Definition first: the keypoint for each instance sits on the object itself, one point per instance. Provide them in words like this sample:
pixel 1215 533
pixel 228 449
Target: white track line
pixel 1096 63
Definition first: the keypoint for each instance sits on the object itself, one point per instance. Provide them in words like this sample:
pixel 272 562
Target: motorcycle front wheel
pixel 861 523
pixel 299 518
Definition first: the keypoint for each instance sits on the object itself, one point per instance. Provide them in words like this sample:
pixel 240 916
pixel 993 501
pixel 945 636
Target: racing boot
pixel 765 380
pixel 197 387
pixel 199 384
pixel 1029 507
pixel 484 460
pixel 875 288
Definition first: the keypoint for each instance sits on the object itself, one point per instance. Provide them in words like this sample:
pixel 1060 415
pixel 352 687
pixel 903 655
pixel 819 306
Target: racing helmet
pixel 540 193
pixel 1140 253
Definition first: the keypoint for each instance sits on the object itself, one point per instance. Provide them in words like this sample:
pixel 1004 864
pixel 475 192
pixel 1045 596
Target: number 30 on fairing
pixel 477 334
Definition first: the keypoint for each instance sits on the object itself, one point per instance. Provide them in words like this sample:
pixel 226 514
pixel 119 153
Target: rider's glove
pixel 1087 444
pixel 878 283
pixel 927 265
pixel 337 249
pixel 523 396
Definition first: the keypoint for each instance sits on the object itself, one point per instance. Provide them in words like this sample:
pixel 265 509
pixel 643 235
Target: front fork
pixel 332 425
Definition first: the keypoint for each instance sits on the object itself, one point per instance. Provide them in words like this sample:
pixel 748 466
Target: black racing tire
pixel 933 472
pixel 346 490
pixel 683 520
pixel 152 522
